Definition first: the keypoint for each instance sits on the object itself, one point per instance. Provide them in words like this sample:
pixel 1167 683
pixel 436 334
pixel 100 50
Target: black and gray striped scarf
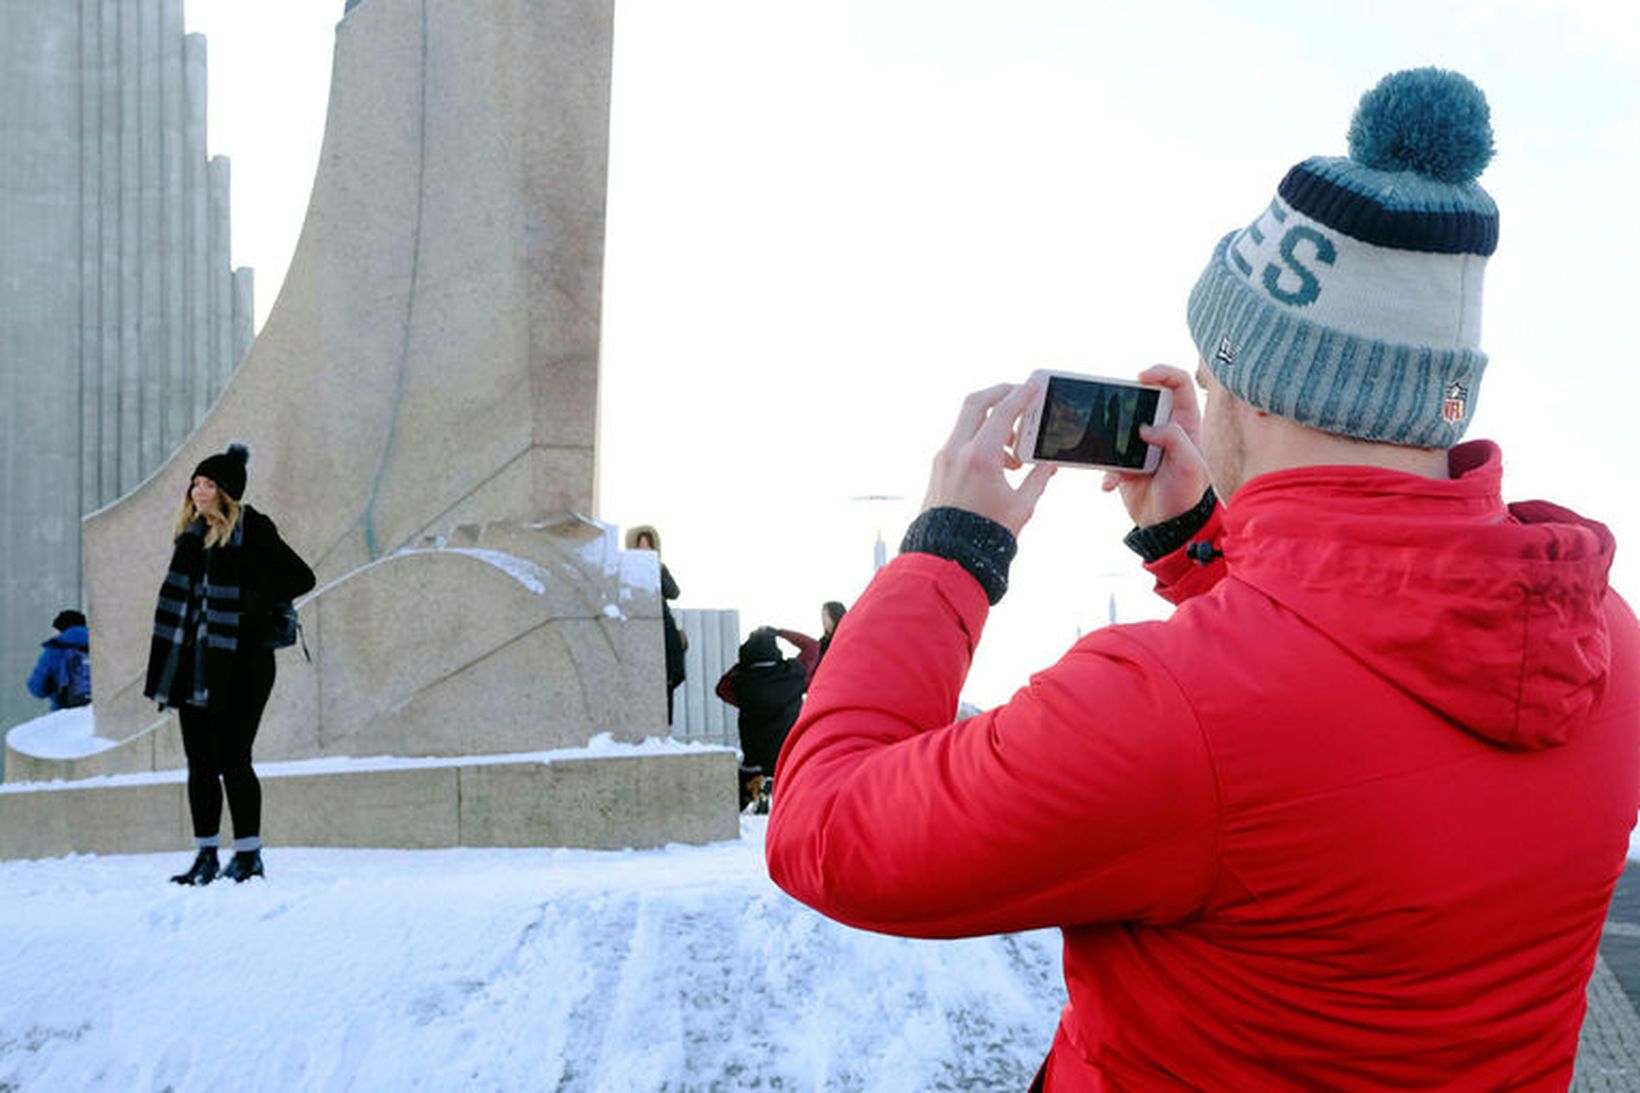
pixel 196 621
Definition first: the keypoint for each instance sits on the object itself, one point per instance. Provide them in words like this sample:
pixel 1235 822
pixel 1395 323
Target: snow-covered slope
pixel 679 969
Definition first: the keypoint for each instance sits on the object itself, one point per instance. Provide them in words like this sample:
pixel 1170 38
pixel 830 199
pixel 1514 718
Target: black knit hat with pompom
pixel 226 469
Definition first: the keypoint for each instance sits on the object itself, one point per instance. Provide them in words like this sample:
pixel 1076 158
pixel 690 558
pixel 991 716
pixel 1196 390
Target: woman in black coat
pixel 645 537
pixel 212 653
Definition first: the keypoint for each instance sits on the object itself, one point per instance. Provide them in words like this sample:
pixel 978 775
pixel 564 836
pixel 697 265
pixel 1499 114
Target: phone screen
pixel 1085 421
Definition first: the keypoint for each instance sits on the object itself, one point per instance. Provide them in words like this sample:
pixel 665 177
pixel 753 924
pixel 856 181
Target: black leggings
pixel 218 744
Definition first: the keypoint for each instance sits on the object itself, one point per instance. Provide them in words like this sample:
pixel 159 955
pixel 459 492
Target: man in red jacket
pixel 1351 817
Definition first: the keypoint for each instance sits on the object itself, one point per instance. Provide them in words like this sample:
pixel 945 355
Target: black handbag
pixel 284 628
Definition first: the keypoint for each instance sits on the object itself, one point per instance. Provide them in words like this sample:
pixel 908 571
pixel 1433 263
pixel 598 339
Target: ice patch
pixel 525 572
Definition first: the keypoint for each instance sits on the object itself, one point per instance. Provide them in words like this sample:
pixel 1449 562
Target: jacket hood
pixel 1490 614
pixel 759 650
pixel 75 637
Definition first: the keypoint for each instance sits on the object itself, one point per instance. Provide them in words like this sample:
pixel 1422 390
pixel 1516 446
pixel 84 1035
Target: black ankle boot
pixel 245 865
pixel 202 872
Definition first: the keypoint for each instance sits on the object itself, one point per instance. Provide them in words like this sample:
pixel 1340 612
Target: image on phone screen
pixel 1084 421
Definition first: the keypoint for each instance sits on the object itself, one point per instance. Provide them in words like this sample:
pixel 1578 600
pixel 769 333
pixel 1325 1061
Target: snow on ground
pixel 534 969
pixel 674 970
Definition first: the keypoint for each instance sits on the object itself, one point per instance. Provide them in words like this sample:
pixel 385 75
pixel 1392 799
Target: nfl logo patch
pixel 1456 403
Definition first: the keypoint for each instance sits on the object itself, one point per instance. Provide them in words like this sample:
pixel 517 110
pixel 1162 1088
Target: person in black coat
pixel 645 537
pixel 831 613
pixel 211 658
pixel 768 689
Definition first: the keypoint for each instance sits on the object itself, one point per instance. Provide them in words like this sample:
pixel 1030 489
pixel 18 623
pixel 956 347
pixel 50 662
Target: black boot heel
pixel 245 865
pixel 202 872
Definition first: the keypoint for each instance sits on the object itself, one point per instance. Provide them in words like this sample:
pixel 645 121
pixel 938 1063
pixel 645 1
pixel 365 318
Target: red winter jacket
pixel 1349 819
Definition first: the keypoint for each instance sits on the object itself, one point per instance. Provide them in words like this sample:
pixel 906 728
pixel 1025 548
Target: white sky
pixel 830 220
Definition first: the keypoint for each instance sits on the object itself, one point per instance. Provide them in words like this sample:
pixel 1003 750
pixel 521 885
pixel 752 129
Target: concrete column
pixel 244 317
pixel 40 235
pixel 91 140
pixel 196 257
pixel 714 646
pixel 105 225
pixel 130 408
pixel 218 273
pixel 177 411
pixel 151 312
pixel 108 414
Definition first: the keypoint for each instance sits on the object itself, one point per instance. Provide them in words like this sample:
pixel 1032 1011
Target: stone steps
pixel 597 798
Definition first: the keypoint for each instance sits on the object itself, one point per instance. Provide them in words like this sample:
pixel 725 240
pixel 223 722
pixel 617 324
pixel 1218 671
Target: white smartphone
pixel 1092 421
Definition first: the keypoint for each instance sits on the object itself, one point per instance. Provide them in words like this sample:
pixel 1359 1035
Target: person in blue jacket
pixel 62 674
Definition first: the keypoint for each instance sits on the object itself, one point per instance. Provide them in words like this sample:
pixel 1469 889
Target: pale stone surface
pixel 111 820
pixel 419 806
pixel 468 651
pixel 607 802
pixel 595 803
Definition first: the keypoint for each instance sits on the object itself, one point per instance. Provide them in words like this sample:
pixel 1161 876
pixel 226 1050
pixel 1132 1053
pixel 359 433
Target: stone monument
pixel 421 411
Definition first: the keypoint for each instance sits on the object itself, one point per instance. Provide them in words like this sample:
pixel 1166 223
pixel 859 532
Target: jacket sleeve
pixel 726 686
pixel 285 575
pixel 41 682
pixel 1180 577
pixel 808 650
pixel 669 587
pixel 1088 798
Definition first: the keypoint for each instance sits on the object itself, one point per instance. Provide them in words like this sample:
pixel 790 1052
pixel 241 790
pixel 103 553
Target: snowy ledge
pixel 64 734
pixel 602 746
pixel 527 573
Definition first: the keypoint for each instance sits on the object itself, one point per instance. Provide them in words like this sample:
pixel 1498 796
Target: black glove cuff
pixel 977 543
pixel 1157 541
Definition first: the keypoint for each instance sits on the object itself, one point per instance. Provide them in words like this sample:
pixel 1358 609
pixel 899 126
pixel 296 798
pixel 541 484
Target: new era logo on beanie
pixel 1352 304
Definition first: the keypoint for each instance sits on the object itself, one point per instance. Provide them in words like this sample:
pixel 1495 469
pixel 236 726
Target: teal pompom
pixel 1428 120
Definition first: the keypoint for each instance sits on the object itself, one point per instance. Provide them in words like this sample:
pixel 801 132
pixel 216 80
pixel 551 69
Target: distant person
pixel 1350 818
pixel 768 690
pixel 831 613
pixel 645 537
pixel 62 673
pixel 211 658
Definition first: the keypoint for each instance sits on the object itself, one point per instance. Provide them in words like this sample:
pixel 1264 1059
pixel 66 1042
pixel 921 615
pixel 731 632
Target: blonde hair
pixel 219 524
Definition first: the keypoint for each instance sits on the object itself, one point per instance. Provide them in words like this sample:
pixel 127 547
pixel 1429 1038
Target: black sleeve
pixel 281 573
pixel 1159 540
pixel 977 543
pixel 669 587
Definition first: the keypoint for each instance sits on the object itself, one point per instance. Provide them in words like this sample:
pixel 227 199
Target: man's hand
pixel 968 471
pixel 1182 477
